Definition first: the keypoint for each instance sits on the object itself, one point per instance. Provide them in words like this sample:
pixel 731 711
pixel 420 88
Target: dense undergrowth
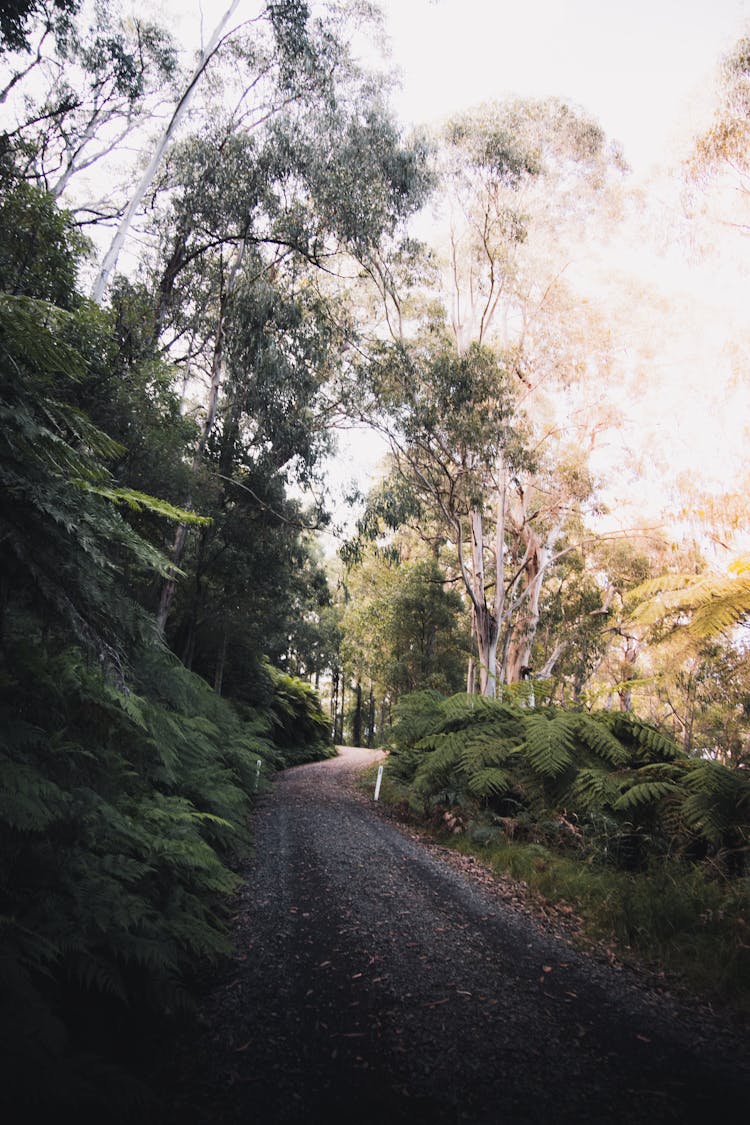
pixel 123 817
pixel 600 811
pixel 125 779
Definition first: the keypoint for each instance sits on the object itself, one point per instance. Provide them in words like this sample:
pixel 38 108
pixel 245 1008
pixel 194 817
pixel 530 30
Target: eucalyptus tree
pixel 305 176
pixel 448 419
pixel 722 151
pixel 269 435
pixel 94 82
pixel 520 180
pixel 476 418
pixel 15 16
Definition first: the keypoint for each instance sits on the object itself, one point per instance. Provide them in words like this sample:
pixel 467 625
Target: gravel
pixel 375 981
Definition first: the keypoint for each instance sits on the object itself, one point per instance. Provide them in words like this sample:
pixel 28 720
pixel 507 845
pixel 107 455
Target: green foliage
pixel 694 607
pixel 618 787
pixel 40 246
pixel 297 723
pixel 63 540
pixel 15 17
pixel 125 780
pixel 401 627
pixel 121 810
pixel 674 917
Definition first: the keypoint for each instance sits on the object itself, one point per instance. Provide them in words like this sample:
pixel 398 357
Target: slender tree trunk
pixel 334 703
pixel 218 361
pixel 471 671
pixel 525 627
pixel 486 625
pixel 371 718
pixel 113 253
pixel 169 585
pixel 487 619
pixel 471 676
pixel 220 663
pixel 357 728
pixel 188 649
pixel 343 708
pixel 630 657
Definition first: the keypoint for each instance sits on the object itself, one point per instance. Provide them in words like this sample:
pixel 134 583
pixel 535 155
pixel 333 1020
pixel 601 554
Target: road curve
pixel 376 983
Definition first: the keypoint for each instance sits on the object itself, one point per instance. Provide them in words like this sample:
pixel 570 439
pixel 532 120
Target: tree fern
pixel 717 804
pixel 595 789
pixel 698 607
pixel 486 748
pixel 610 769
pixel 643 739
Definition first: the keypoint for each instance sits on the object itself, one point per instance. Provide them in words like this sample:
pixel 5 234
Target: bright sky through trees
pixel 642 68
pixel 645 69
pixel 648 72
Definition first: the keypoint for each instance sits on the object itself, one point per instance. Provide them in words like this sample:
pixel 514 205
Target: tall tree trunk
pixel 629 660
pixel 169 585
pixel 357 727
pixel 527 620
pixel 343 708
pixel 371 718
pixel 334 711
pixel 220 663
pixel 188 649
pixel 486 626
pixel 113 253
pixel 471 670
pixel 383 711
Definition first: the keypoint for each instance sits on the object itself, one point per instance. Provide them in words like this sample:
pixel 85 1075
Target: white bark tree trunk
pixel 110 258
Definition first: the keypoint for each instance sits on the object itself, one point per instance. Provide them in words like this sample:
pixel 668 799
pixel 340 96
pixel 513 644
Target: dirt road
pixel 376 983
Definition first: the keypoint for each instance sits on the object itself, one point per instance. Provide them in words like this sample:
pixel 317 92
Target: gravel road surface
pixel 375 982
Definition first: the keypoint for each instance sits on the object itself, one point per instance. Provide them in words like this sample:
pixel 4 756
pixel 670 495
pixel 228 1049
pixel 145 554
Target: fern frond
pixel 29 801
pixel 712 603
pixel 489 782
pixel 597 737
pixel 488 748
pixel 142 502
pixel 550 742
pixel 595 789
pixel 645 793
pixel 32 328
pixel 94 974
pixel 643 738
pixel 717 803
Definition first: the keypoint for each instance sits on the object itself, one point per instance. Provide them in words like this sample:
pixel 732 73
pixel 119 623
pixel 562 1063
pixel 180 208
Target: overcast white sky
pixel 642 67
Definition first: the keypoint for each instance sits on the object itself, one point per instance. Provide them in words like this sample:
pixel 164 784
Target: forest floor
pixel 379 978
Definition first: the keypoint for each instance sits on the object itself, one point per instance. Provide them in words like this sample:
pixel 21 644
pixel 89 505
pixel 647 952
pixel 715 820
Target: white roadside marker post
pixel 377 783
pixel 257 774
